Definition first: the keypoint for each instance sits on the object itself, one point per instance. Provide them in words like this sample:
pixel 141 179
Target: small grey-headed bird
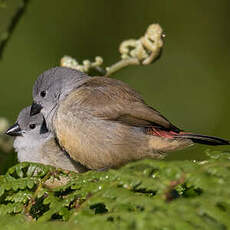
pixel 34 143
pixel 103 123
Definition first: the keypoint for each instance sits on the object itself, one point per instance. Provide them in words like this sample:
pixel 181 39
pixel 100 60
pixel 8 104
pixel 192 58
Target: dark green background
pixel 189 84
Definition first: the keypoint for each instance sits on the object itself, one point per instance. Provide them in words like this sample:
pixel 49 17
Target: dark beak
pixel 35 109
pixel 44 128
pixel 14 130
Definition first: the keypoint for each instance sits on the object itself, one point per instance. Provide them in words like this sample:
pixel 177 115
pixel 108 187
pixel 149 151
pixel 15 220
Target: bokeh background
pixel 189 84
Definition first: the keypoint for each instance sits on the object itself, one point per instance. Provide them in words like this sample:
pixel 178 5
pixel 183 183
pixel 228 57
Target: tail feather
pixel 196 138
pixel 203 139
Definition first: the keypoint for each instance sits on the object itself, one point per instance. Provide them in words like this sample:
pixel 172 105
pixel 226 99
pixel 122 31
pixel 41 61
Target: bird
pixel 103 123
pixel 34 143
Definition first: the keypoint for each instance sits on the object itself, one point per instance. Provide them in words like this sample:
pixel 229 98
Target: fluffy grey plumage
pixel 34 143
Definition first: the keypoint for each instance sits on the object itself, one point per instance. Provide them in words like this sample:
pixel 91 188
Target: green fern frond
pixel 145 194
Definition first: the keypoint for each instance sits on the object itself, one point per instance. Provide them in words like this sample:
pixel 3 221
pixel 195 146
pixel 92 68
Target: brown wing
pixel 112 99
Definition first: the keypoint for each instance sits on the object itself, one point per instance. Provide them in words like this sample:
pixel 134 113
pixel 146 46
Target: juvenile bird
pixel 34 143
pixel 103 123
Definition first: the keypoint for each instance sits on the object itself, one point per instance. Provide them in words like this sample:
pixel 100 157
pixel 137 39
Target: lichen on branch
pixel 86 66
pixel 142 51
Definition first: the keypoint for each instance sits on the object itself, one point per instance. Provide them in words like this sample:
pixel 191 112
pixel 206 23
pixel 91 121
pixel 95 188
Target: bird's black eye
pixel 43 93
pixel 32 126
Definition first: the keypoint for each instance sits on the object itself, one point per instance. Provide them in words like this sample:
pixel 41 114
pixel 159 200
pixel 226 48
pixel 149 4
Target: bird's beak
pixel 35 109
pixel 14 130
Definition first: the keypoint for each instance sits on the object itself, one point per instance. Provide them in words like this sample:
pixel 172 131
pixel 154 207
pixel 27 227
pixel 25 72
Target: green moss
pixel 145 194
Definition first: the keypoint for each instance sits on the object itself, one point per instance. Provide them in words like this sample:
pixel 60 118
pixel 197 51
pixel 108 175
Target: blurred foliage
pixel 189 84
pixel 145 194
pixel 10 15
pixel 7 158
pixel 7 28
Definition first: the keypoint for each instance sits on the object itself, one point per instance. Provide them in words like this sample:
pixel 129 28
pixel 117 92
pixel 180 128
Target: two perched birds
pixel 77 122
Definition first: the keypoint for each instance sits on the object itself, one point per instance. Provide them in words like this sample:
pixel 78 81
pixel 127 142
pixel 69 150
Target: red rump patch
pixel 162 133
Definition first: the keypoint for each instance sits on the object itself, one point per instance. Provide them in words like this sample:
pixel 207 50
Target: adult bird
pixel 103 123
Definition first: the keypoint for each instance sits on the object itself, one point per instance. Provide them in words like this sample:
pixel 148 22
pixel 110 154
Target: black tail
pixel 202 139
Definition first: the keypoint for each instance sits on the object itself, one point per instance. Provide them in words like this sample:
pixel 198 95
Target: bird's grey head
pixel 51 87
pixel 26 125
